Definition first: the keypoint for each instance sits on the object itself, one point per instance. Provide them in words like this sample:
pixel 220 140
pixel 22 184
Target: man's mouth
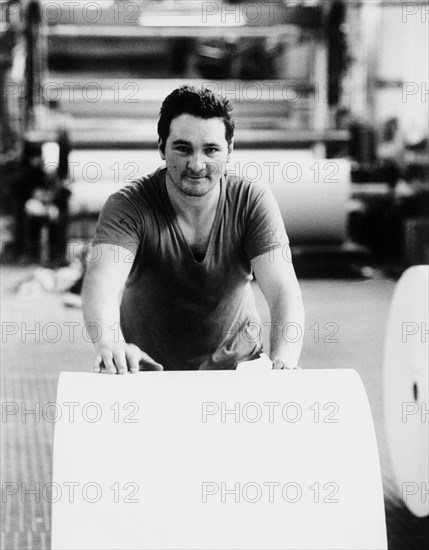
pixel 195 177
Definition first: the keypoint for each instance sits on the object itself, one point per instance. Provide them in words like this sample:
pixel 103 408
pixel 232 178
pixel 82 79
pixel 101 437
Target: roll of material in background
pixel 312 194
pixel 96 174
pixel 406 358
pixel 216 460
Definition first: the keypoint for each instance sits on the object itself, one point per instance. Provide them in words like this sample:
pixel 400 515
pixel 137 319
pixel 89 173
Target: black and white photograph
pixel 214 274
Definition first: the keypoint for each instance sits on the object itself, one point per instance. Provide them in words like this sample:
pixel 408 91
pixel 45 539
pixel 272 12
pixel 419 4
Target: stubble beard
pixel 199 189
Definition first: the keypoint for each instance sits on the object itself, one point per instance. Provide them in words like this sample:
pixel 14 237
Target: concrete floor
pixel 350 315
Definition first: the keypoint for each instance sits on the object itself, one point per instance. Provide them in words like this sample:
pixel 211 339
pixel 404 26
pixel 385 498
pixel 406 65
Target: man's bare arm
pixel 277 280
pixel 107 272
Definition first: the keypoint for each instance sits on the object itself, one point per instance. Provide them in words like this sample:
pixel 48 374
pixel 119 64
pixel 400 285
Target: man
pixel 174 254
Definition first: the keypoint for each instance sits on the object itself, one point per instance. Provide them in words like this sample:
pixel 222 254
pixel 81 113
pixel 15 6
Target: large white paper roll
pixel 216 460
pixel 406 358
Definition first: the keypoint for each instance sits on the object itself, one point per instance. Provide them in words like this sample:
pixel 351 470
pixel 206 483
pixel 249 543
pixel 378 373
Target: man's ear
pixel 161 152
pixel 230 148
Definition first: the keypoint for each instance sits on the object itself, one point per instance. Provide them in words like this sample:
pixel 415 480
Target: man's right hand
pixel 123 358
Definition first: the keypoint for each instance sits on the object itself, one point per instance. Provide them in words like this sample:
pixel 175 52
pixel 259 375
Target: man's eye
pixel 182 149
pixel 211 151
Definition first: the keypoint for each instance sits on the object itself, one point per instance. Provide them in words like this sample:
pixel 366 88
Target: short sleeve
pixel 120 223
pixel 265 229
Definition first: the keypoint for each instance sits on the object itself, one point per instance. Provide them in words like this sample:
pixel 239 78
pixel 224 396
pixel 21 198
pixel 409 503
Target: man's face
pixel 195 154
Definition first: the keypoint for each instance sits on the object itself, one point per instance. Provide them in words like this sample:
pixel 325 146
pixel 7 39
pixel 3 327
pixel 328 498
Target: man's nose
pixel 196 163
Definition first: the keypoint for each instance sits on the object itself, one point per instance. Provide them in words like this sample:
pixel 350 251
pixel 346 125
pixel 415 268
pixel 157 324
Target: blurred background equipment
pixel 317 79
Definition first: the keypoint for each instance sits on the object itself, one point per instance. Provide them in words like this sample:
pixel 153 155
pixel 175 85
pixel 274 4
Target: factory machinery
pixel 84 83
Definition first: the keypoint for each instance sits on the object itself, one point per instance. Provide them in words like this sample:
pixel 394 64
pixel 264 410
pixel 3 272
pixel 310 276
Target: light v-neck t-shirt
pixel 188 314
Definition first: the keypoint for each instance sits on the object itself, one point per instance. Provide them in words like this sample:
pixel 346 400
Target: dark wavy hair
pixel 200 103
